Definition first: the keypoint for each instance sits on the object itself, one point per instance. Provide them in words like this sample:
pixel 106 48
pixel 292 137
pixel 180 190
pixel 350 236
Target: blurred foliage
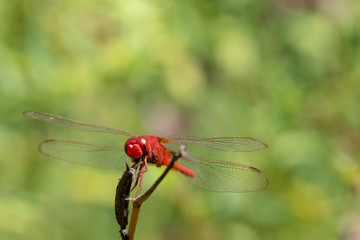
pixel 285 72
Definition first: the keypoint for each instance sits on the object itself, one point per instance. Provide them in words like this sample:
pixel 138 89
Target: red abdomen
pixel 183 170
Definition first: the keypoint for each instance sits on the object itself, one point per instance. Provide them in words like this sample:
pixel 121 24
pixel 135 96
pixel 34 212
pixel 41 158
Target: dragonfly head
pixel 137 147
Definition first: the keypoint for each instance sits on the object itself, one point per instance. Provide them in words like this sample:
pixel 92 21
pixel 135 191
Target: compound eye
pixel 134 151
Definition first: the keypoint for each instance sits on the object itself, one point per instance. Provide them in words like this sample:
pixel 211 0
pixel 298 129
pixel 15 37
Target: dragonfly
pixel 210 174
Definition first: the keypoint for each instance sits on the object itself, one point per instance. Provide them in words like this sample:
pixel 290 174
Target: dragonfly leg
pixel 143 169
pixel 141 177
pixel 136 183
pixel 137 177
pixel 145 165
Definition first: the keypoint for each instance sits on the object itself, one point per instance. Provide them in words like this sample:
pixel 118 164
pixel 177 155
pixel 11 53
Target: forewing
pixel 228 144
pixel 66 122
pixel 101 156
pixel 221 176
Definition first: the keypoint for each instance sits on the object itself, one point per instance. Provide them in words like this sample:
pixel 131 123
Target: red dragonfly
pixel 214 175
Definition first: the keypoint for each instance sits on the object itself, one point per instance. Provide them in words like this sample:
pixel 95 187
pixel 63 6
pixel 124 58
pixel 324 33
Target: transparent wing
pixel 221 176
pixel 66 122
pixel 228 144
pixel 101 156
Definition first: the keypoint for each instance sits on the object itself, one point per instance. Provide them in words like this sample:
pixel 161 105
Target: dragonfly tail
pixel 183 170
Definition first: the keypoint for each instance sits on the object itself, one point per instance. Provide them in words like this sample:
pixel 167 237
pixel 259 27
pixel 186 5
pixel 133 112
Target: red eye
pixel 134 151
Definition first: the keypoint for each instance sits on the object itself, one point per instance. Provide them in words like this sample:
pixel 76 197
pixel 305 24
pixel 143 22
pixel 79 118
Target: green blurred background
pixel 284 72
